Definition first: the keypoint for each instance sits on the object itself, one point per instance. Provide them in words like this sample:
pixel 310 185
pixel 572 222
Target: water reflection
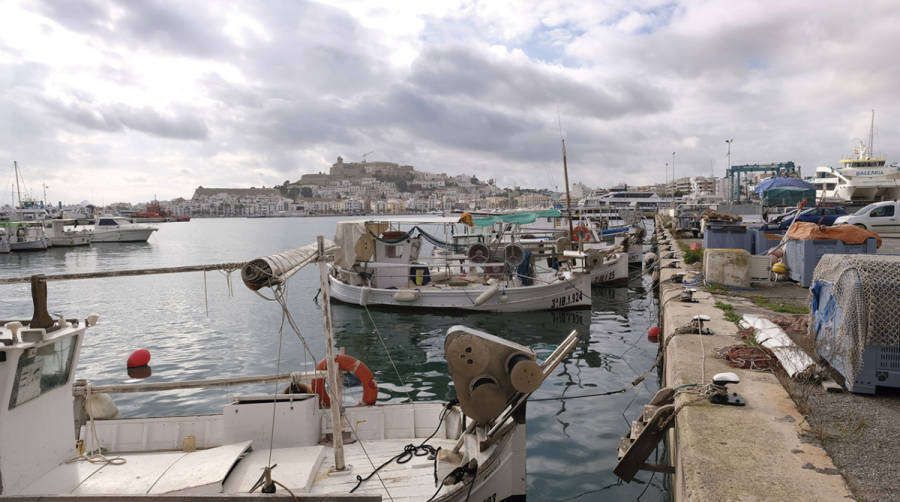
pixel 197 328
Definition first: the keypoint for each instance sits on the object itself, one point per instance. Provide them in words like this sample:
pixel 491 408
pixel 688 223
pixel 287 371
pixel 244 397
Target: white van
pixel 879 217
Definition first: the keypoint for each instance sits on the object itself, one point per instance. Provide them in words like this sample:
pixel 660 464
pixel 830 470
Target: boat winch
pixel 488 371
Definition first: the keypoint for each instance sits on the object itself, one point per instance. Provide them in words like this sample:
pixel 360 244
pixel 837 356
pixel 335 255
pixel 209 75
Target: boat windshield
pixel 107 221
pixel 864 210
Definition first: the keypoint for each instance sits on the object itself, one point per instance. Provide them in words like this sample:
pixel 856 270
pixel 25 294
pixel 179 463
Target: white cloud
pixel 182 94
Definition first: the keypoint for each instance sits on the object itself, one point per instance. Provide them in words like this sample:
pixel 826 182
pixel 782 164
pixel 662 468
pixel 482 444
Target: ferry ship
pixel 860 179
pixel 610 204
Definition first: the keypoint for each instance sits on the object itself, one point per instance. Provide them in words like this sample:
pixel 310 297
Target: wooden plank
pixel 200 472
pixel 644 445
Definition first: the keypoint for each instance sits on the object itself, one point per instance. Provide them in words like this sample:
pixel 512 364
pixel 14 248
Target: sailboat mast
pixel 332 377
pixel 18 190
pixel 568 196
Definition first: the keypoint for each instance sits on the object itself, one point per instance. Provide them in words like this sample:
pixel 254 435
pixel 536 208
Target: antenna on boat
pixel 871 135
pixel 18 190
pixel 337 433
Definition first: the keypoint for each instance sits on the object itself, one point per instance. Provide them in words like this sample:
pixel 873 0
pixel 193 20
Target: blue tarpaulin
pixel 781 191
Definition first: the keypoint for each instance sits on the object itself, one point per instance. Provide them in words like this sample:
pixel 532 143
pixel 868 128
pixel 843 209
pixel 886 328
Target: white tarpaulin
pixel 770 335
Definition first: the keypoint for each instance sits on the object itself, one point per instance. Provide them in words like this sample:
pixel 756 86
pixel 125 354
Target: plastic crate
pixel 802 256
pixel 717 236
pixel 881 363
pixel 761 243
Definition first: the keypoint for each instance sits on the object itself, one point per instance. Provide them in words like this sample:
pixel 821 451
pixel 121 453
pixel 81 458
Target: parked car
pixel 820 215
pixel 777 218
pixel 880 217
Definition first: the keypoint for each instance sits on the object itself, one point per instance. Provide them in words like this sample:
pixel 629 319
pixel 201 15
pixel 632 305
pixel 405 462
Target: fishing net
pixel 854 301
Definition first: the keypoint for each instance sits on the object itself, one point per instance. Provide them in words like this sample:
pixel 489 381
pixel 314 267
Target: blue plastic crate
pixel 880 363
pixel 760 243
pixel 802 256
pixel 718 236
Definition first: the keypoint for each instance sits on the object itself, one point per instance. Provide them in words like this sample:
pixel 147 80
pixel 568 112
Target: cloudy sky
pixel 112 100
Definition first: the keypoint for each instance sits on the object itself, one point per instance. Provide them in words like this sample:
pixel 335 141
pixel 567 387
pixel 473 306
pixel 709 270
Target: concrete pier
pixel 762 451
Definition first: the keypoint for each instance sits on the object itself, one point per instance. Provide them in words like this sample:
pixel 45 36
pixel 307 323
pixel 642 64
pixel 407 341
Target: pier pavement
pixel 761 451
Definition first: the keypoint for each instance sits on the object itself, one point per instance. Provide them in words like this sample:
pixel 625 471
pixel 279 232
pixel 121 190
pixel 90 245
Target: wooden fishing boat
pixel 380 264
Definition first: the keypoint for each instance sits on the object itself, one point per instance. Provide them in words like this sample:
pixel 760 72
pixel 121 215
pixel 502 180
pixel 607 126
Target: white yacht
pixel 862 178
pixel 120 229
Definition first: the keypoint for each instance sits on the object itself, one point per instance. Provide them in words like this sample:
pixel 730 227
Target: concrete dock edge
pixel 761 451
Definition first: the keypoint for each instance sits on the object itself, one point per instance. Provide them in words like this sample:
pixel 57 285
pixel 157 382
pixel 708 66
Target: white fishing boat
pixel 61 237
pixel 120 229
pixel 473 450
pixel 26 236
pixel 382 265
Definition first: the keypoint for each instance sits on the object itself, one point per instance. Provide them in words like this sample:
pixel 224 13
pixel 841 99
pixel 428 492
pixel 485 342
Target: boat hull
pixel 35 245
pixel 570 293
pixel 71 240
pixel 612 271
pixel 123 235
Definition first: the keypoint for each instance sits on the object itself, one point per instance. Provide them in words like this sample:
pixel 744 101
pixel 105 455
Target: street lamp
pixel 727 171
pixel 674 183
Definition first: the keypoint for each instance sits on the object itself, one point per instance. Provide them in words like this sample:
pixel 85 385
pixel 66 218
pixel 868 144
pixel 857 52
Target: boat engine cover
pixel 488 371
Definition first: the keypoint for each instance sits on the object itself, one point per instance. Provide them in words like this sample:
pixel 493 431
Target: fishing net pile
pixel 855 302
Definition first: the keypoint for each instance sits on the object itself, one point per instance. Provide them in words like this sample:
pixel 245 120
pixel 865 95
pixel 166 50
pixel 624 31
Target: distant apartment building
pixel 239 202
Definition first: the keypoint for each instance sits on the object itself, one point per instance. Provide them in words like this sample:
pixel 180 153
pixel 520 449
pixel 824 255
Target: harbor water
pixel 199 326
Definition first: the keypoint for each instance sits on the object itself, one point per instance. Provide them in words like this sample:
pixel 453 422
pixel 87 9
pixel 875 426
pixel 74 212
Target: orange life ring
pixel 355 366
pixel 581 233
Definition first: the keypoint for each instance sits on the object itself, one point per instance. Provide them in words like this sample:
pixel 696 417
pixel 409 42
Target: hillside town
pixel 377 187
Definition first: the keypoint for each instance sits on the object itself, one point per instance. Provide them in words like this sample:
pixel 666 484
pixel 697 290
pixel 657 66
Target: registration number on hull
pixel 567 300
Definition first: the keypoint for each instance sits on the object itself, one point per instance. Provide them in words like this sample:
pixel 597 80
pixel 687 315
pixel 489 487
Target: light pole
pixel 666 185
pixel 728 169
pixel 674 183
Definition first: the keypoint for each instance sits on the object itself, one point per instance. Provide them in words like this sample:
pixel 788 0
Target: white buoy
pixel 364 296
pixel 101 407
pixel 487 294
pixel 406 296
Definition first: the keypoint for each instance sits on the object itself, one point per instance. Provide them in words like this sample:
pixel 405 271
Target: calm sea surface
pixel 196 327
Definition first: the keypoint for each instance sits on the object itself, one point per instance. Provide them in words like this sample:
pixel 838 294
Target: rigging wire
pixel 388 352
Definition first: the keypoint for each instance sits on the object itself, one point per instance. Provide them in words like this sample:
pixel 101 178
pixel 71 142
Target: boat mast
pixel 568 196
pixel 871 136
pixel 337 433
pixel 18 190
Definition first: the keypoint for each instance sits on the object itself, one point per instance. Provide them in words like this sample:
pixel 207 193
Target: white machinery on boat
pixel 423 449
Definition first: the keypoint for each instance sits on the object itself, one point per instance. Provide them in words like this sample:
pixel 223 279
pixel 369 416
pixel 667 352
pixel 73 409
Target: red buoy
pixel 694 246
pixel 139 357
pixel 653 334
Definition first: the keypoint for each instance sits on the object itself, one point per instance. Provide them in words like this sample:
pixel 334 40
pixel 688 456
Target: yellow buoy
pixel 780 268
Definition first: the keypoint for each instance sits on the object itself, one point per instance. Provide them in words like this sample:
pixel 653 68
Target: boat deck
pixel 235 468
